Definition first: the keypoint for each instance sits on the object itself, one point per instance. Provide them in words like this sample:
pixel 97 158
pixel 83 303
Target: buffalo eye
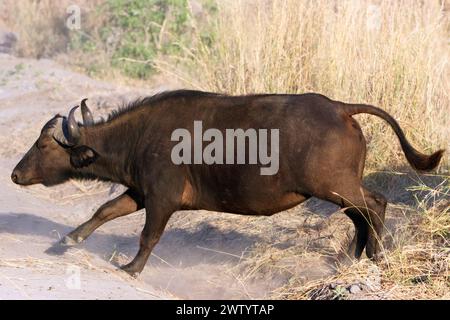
pixel 41 146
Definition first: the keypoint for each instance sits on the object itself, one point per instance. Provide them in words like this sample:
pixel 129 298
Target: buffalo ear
pixel 82 156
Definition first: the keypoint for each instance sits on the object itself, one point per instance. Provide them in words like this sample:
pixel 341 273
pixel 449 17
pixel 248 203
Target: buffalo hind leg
pixel 367 211
pixel 156 219
pixel 126 203
pixel 361 233
pixel 376 224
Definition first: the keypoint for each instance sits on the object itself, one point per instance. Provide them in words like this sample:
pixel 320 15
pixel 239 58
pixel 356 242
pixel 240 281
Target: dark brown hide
pixel 322 152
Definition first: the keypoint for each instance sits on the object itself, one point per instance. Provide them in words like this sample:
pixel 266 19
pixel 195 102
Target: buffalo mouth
pixel 27 182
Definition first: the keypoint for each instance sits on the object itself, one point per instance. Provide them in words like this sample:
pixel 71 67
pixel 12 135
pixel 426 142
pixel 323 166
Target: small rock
pixel 354 289
pixel 421 279
pixel 7 41
pixel 334 285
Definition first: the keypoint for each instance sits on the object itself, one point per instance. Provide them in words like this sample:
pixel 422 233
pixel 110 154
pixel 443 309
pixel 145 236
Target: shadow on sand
pixel 177 246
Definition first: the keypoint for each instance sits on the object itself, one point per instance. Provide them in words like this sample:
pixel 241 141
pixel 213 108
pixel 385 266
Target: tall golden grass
pixel 393 54
pixel 41 24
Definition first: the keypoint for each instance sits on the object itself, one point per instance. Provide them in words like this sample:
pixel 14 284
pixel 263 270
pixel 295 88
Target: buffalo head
pixel 58 152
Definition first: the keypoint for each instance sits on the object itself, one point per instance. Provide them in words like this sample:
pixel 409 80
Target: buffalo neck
pixel 114 142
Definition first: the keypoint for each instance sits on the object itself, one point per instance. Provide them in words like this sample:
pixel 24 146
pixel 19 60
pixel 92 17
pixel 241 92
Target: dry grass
pixel 393 54
pixel 41 24
pixel 415 262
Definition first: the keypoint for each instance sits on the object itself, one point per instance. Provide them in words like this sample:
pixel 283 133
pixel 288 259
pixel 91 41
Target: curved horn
pixel 58 134
pixel 88 119
pixel 73 131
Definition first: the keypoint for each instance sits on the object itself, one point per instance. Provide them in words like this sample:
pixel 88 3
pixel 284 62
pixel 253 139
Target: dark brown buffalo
pixel 322 152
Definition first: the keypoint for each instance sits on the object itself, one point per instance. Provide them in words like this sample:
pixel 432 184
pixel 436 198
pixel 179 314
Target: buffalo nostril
pixel 14 178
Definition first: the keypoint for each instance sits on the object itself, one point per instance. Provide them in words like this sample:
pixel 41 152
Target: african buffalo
pixel 321 147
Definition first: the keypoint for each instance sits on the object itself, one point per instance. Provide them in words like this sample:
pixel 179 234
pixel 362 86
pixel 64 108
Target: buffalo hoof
pixel 377 257
pixel 128 268
pixel 70 242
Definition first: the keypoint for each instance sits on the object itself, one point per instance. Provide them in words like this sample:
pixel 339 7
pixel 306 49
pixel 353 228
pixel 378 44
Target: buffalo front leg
pixel 126 203
pixel 155 223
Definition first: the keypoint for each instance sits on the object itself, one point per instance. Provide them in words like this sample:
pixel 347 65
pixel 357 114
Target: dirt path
pixel 201 254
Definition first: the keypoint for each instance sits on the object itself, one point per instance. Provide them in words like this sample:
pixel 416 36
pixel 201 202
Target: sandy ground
pixel 201 255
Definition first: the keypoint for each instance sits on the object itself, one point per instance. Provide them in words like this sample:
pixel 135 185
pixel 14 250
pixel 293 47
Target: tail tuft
pixel 423 162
